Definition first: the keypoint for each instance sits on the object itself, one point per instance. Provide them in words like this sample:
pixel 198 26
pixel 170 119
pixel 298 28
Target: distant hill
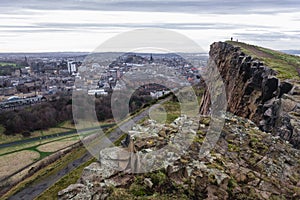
pixel 45 54
pixel 292 51
pixel 287 65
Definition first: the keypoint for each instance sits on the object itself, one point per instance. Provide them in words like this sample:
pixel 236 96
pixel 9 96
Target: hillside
pixel 247 162
pixel 287 66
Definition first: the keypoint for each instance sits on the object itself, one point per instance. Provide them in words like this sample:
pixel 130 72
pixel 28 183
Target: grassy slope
pixel 64 182
pixel 286 65
pixel 47 171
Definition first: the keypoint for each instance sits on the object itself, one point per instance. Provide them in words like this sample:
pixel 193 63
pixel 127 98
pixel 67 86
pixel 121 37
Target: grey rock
pixel 75 192
pixel 148 182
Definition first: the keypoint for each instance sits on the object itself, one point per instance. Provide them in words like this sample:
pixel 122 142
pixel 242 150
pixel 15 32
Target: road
pixel 32 191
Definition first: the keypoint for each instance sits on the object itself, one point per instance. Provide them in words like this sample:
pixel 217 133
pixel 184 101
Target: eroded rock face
pixel 246 163
pixel 254 92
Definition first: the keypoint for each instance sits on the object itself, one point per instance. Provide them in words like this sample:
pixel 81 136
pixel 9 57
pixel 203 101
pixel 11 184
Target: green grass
pixel 64 182
pixel 63 127
pixel 34 144
pixel 4 64
pixel 8 138
pixel 170 112
pixel 42 153
pixel 118 142
pixel 285 64
pixel 70 178
pixel 47 171
pixel 173 111
pixel 2 129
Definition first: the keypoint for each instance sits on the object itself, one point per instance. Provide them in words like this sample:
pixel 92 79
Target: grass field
pixel 47 171
pixel 3 64
pixel 285 64
pixel 33 144
pixel 63 127
pixel 31 153
pixel 17 157
pixel 54 146
pixel 13 162
pixel 42 149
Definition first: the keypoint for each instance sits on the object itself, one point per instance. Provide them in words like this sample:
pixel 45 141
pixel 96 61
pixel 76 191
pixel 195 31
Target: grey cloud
pixel 153 25
pixel 190 6
pixel 33 30
pixel 16 26
pixel 270 36
pixel 41 27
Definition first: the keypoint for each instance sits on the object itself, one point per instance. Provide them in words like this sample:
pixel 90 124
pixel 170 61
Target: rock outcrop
pixel 254 92
pixel 246 163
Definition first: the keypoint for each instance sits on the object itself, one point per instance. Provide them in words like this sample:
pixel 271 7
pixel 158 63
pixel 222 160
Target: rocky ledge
pixel 246 163
pixel 254 92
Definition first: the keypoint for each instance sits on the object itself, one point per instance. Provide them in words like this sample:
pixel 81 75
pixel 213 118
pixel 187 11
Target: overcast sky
pixel 79 25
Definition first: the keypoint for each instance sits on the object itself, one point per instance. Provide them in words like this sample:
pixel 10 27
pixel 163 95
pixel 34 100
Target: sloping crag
pixel 254 92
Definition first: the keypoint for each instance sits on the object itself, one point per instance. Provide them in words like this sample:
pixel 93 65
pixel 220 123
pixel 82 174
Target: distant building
pixel 12 98
pixel 72 68
pixel 97 92
pixel 157 94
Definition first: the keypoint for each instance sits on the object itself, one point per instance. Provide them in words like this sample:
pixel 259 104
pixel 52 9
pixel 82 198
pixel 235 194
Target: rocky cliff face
pixel 254 92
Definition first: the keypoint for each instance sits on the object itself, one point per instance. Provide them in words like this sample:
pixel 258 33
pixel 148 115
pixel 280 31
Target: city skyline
pixel 83 25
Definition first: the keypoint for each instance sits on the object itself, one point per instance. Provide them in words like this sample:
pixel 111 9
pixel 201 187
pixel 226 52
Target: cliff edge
pixel 261 85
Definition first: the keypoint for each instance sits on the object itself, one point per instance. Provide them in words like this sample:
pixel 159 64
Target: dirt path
pixel 254 50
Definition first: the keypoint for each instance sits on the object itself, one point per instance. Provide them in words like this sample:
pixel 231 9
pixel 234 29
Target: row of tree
pixel 50 114
pixel 37 117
